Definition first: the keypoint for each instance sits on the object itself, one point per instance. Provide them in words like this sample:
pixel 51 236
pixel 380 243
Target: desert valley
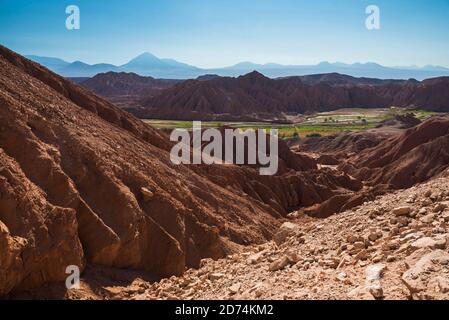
pixel 358 209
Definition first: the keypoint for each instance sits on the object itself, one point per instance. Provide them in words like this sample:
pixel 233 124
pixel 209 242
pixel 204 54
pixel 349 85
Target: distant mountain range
pixel 148 64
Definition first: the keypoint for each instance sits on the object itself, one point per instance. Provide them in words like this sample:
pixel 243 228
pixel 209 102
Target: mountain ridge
pixel 255 97
pixel 147 64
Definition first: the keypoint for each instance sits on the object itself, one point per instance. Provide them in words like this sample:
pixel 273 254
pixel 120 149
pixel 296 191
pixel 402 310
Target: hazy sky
pixel 215 33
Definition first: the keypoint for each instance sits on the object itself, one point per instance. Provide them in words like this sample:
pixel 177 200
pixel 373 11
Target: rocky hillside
pixel 126 89
pixel 256 97
pixel 343 80
pixel 83 182
pixel 394 247
pixel 416 155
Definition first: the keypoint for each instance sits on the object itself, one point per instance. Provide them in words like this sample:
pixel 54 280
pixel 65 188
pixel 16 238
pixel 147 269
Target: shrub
pixel 313 135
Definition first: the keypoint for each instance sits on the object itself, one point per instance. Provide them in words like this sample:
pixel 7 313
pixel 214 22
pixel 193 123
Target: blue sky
pixel 215 33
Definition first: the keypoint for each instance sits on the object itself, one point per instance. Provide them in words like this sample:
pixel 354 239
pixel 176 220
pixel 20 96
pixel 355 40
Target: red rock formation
pixel 415 156
pixel 431 94
pixel 37 238
pixel 87 157
pixel 83 181
pixel 126 89
pixel 342 144
pixel 256 97
pixel 400 122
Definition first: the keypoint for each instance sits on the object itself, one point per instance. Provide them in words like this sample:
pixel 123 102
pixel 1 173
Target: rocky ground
pixel 95 187
pixel 395 247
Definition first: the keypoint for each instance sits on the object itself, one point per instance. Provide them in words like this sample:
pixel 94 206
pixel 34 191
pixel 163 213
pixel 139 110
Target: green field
pixel 320 124
pixel 171 124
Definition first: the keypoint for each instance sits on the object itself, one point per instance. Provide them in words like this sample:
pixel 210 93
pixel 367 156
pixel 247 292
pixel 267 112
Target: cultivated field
pixel 319 124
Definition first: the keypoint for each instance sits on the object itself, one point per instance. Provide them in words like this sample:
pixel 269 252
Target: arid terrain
pixel 254 97
pixel 352 214
pixel 126 89
pixel 394 247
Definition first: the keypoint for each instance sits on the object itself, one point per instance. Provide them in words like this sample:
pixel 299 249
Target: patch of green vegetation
pixel 422 114
pixel 314 135
pixel 322 124
pixel 171 124
pixel 418 113
pixel 308 130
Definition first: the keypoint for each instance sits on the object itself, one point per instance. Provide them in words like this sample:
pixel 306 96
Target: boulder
pixel 147 194
pixel 279 264
pixel 401 211
pixel 428 242
pixel 286 230
pixel 372 288
pixel 440 207
pixel 215 276
pixel 429 277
